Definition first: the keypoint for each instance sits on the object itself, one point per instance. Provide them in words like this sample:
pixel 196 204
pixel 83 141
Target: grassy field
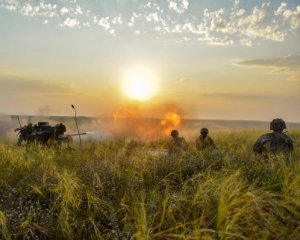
pixel 121 189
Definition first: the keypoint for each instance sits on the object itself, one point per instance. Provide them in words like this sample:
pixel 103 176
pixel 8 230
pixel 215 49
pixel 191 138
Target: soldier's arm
pixel 197 144
pixel 258 146
pixel 212 143
pixel 184 144
pixel 290 144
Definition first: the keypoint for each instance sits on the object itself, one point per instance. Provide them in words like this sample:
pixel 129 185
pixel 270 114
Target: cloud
pixel 63 11
pixel 47 11
pixel 289 65
pixel 36 9
pixel 178 6
pixel 70 22
pixel 227 25
pixel 237 23
pixel 217 41
pixel 246 42
pixel 153 17
pixel 292 15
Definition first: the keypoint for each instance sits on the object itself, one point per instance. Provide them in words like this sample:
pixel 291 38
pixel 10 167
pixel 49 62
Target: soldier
pixel 59 130
pixel 29 128
pixel 177 144
pixel 24 133
pixel 204 141
pixel 274 143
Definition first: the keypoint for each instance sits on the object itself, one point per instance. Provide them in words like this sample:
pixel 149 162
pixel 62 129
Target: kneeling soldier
pixel 204 141
pixel 177 144
pixel 274 143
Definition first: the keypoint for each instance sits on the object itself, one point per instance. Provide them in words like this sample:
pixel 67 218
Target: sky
pixel 226 59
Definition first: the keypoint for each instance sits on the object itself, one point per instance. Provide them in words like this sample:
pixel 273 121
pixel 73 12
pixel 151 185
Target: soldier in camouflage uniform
pixel 177 144
pixel 24 133
pixel 274 143
pixel 204 141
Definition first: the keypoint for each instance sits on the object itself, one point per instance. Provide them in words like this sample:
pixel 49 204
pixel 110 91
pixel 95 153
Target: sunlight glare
pixel 139 83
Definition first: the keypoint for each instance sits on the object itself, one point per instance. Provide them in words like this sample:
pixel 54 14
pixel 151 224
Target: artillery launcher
pixel 43 133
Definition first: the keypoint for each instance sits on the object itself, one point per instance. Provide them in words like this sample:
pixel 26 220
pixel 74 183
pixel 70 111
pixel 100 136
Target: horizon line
pixel 148 118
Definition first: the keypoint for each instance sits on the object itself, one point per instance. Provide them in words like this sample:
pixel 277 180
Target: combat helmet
pixel 204 131
pixel 277 124
pixel 174 133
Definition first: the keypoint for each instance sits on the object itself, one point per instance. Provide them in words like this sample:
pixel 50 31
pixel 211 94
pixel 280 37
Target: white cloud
pixel 217 41
pixel 70 22
pixel 78 10
pixel 154 6
pixel 246 42
pixel 31 9
pixel 178 6
pixel 237 23
pixel 153 17
pixel 223 26
pixel 214 20
pixel 117 20
pixel 292 15
pixel 103 22
pixel 64 11
pixel 11 7
pixel 27 10
pixel 133 19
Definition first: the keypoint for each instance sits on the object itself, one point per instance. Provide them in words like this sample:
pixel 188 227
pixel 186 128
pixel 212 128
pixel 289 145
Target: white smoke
pixel 7 126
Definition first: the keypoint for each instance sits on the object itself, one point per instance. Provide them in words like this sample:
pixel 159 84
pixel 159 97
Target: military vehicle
pixel 43 133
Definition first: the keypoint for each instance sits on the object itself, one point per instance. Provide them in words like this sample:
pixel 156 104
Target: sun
pixel 139 83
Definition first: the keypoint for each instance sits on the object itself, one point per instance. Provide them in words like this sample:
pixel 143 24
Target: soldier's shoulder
pixel 266 137
pixel 287 138
pixel 209 138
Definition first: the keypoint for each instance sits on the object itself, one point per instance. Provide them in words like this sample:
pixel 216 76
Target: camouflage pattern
pixel 273 143
pixel 204 142
pixel 177 146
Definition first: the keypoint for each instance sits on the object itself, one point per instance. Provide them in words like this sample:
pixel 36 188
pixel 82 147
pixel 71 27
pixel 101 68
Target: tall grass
pixel 128 190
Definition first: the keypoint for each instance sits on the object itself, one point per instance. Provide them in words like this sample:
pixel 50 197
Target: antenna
pixel 75 118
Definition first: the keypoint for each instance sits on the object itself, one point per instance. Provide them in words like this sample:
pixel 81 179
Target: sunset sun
pixel 139 83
